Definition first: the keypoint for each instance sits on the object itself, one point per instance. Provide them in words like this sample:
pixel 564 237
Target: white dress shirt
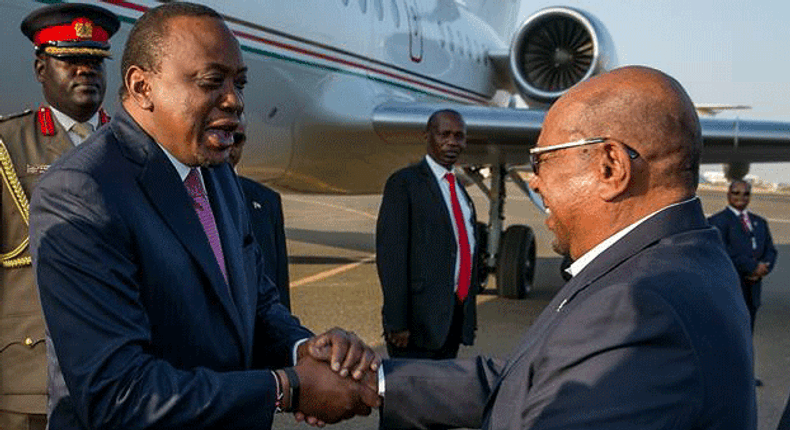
pixel 466 208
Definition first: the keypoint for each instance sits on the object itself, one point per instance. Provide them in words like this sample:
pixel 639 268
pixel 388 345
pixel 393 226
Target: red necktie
pixel 203 209
pixel 745 222
pixel 465 271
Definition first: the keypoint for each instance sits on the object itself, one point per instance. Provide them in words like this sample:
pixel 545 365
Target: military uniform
pixel 29 142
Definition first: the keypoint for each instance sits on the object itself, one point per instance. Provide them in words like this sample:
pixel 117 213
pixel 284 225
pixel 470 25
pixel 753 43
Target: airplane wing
pixel 504 135
pixel 713 109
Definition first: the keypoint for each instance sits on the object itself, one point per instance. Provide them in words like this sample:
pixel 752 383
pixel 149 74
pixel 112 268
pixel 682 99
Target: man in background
pixel 748 241
pixel 71 42
pixel 266 214
pixel 425 247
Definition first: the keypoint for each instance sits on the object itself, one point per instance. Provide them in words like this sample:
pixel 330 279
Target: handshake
pixel 335 378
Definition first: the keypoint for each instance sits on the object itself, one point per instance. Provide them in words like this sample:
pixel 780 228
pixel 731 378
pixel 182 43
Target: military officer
pixel 71 42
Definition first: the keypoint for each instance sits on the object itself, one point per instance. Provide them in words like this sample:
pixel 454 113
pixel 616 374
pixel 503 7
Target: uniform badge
pixel 37 169
pixel 84 28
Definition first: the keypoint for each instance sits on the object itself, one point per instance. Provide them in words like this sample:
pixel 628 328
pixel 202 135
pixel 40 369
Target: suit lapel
pixel 160 182
pixel 430 180
pixel 221 195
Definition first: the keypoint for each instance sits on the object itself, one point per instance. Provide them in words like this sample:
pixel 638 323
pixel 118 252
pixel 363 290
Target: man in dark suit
pixel 71 42
pixel 425 246
pixel 151 281
pixel 268 225
pixel 651 331
pixel 748 241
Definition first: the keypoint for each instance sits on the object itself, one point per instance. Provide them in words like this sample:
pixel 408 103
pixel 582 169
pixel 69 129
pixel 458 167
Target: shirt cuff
pixel 381 380
pixel 296 348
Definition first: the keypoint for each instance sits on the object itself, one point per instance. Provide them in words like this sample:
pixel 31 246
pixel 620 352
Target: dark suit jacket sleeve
pixel 89 294
pixel 275 329
pixel 769 253
pixel 423 394
pixel 740 251
pixel 619 360
pixel 282 251
pixel 392 253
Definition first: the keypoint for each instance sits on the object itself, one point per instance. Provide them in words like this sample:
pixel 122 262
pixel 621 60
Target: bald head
pixel 645 109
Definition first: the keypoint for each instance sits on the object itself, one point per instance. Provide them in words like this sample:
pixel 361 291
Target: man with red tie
pixel 748 242
pixel 425 245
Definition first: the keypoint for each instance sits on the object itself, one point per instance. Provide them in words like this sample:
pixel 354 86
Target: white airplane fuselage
pixel 317 70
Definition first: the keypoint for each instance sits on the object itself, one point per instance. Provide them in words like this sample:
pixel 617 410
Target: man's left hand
pixel 344 351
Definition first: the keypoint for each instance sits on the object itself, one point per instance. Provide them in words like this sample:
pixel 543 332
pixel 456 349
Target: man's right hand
pixel 329 397
pixel 398 338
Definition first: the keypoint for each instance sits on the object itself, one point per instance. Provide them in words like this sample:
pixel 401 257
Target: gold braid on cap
pixel 11 180
pixel 76 51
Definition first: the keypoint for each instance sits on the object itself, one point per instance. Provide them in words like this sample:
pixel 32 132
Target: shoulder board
pixel 45 122
pixel 15 115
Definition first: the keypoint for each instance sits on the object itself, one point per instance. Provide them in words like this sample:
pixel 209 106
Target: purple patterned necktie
pixel 203 209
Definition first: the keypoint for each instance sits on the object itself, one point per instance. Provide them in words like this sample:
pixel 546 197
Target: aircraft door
pixel 415 31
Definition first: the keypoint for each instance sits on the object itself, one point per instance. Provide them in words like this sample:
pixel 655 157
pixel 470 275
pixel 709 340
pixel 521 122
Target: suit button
pixel 29 342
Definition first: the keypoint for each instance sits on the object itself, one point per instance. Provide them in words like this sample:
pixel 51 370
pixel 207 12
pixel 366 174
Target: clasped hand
pixel 338 378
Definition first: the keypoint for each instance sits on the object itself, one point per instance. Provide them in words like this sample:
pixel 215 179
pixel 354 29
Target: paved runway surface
pixel 334 282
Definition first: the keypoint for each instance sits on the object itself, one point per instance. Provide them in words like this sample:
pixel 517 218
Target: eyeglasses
pixel 740 193
pixel 534 153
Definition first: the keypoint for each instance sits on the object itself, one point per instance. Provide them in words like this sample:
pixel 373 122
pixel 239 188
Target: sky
pixel 723 52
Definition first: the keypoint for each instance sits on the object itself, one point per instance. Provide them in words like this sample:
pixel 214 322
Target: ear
pixel 39 67
pixel 138 87
pixel 614 171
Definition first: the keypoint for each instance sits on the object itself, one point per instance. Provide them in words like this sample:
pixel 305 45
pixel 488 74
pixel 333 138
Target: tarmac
pixel 331 246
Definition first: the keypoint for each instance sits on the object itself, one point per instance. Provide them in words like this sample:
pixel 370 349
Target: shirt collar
pixel 737 212
pixel 67 122
pixel 181 168
pixel 582 262
pixel 438 170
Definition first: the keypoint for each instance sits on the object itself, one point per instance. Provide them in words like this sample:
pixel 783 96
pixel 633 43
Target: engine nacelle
pixel 556 48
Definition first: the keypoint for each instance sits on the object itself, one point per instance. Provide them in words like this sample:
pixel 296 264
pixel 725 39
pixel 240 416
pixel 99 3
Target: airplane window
pixel 460 43
pixel 395 13
pixel 379 9
pixel 469 47
pixel 363 5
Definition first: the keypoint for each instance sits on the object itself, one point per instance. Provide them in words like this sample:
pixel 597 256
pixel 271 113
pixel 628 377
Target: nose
pixel 533 183
pixel 233 99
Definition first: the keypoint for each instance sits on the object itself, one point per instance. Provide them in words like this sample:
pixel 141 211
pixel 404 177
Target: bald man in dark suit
pixel 651 331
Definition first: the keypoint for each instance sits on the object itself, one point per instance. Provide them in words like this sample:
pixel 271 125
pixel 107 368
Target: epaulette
pixel 45 122
pixel 15 115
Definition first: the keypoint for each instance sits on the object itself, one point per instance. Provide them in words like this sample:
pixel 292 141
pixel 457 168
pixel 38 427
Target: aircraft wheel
pixel 516 262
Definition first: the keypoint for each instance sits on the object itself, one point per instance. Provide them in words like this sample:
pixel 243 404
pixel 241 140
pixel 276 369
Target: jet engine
pixel 556 48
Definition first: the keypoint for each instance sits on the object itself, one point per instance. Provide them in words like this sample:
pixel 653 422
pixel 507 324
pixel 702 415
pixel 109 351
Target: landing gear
pixel 516 264
pixel 510 255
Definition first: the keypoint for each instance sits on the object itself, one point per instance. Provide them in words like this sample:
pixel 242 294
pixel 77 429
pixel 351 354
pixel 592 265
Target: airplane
pixel 340 91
